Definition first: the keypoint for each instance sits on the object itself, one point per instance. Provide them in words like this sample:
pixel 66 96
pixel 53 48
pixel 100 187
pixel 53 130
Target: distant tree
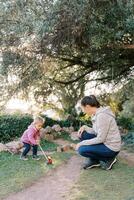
pixel 128 104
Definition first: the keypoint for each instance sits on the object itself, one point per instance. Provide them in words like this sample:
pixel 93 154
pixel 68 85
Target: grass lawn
pixel 96 184
pixel 48 146
pixel 129 141
pixel 128 148
pixel 16 174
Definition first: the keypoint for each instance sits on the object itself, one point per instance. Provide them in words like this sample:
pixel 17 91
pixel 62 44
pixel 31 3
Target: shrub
pixel 75 122
pixel 12 126
pixel 125 122
pixel 129 138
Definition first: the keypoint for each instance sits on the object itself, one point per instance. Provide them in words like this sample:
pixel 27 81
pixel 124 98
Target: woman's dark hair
pixel 90 100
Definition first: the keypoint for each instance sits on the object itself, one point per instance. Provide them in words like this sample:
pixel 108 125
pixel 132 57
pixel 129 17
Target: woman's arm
pixel 85 128
pixel 103 125
pixel 89 129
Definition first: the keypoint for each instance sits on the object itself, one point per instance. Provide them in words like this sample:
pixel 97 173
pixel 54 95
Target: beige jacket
pixel 106 129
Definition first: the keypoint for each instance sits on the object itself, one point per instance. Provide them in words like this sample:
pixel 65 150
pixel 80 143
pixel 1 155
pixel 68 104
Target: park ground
pixel 64 179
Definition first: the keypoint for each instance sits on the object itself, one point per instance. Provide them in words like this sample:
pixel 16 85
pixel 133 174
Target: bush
pixel 75 122
pixel 126 122
pixel 129 138
pixel 49 121
pixel 12 126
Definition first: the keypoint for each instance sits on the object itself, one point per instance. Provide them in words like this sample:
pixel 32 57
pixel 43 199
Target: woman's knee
pixel 82 150
pixel 84 135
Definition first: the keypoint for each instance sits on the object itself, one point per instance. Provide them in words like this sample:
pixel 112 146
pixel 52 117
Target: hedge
pixel 128 138
pixel 75 122
pixel 12 126
pixel 126 122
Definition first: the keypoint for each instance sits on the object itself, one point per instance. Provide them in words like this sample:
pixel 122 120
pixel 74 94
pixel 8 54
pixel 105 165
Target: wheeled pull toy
pixel 48 158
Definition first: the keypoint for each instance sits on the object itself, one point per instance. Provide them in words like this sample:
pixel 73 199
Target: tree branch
pixel 76 79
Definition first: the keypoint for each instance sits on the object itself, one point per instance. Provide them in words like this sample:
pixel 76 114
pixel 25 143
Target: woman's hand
pixel 80 131
pixel 84 128
pixel 84 142
pixel 77 146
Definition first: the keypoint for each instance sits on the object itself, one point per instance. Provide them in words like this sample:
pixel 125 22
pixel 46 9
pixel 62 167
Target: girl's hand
pixel 38 142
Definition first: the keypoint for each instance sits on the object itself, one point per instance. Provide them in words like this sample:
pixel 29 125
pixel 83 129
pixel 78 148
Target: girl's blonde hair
pixel 39 119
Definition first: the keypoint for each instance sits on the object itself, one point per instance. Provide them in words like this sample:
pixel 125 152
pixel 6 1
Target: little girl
pixel 31 137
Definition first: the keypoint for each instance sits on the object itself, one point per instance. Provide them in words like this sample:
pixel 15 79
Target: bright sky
pixel 23 106
pixel 16 104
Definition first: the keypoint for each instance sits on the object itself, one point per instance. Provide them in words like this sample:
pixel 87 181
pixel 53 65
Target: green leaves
pixel 51 44
pixel 12 127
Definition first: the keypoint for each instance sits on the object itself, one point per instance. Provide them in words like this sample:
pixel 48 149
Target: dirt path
pixel 127 157
pixel 61 142
pixel 124 155
pixel 54 186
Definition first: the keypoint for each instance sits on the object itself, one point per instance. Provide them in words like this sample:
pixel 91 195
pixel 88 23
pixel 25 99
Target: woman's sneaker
pixel 23 157
pixel 90 164
pixel 108 164
pixel 36 158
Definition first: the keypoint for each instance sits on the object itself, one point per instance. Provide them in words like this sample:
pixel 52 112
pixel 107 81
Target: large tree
pixel 91 36
pixel 46 45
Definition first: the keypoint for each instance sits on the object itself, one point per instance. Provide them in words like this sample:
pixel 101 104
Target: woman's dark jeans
pixel 98 152
pixel 27 148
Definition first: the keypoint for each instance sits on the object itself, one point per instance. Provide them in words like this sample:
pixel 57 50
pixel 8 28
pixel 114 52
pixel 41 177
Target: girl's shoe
pixel 23 158
pixel 36 158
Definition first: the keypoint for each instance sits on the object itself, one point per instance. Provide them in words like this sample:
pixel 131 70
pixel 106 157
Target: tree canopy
pixel 48 45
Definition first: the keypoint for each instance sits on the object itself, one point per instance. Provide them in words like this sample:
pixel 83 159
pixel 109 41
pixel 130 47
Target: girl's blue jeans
pixel 27 148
